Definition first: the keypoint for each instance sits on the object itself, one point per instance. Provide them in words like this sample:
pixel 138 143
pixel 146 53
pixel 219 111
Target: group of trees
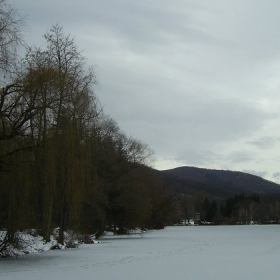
pixel 244 209
pixel 189 205
pixel 239 209
pixel 63 162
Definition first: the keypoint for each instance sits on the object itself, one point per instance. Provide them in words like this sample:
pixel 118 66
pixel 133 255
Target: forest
pixel 239 209
pixel 65 163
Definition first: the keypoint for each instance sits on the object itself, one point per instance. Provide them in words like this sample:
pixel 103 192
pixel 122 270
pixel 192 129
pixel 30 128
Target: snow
pixel 183 252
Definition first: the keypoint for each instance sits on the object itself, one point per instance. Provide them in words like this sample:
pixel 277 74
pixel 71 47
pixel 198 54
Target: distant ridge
pixel 216 183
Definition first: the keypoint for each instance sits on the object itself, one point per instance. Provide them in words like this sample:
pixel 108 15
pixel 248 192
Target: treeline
pixel 239 209
pixel 63 162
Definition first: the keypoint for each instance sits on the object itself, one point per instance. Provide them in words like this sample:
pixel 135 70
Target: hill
pixel 216 183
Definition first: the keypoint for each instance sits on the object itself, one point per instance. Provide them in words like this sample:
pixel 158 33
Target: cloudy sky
pixel 198 81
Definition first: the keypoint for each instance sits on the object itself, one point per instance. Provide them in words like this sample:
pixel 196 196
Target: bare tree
pixel 12 118
pixel 11 27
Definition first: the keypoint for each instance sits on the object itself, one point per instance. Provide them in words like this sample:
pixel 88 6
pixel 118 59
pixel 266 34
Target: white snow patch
pixel 30 242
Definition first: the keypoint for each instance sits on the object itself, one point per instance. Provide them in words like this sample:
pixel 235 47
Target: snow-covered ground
pixel 210 252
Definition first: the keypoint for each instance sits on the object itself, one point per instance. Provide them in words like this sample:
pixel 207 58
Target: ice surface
pixel 210 252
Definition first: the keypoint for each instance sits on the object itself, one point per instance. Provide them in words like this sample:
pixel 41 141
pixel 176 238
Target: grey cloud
pixel 141 26
pixel 276 175
pixel 250 27
pixel 195 157
pixel 147 21
pixel 264 142
pixel 216 159
pixel 241 157
pixel 203 121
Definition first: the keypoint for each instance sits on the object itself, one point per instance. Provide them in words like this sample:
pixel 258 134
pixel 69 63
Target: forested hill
pixel 216 183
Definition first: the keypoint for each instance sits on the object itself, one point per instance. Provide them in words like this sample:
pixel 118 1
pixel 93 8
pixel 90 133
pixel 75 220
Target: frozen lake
pixel 212 252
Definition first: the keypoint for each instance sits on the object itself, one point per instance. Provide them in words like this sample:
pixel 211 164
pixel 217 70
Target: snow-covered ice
pixel 210 252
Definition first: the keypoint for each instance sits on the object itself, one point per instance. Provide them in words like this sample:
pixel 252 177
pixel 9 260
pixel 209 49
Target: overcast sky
pixel 198 81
